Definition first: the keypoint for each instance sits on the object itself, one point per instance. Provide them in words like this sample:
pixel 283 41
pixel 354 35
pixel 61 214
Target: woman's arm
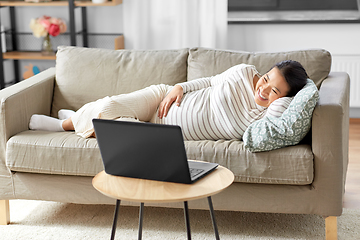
pixel 175 95
pixel 196 84
pixel 232 74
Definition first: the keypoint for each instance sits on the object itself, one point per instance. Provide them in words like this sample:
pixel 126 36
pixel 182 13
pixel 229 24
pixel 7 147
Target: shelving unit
pixel 16 55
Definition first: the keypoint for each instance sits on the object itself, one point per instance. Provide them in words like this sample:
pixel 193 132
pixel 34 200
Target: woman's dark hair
pixel 294 74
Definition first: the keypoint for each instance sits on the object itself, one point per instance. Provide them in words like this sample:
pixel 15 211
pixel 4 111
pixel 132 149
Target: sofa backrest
pixel 87 74
pixel 204 62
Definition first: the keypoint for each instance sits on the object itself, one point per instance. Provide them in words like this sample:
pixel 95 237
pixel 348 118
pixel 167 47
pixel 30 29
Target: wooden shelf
pixel 23 3
pixel 28 55
pixel 89 3
pixel 58 3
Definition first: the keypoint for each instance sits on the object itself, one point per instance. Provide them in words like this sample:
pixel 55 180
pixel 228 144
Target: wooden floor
pixel 352 186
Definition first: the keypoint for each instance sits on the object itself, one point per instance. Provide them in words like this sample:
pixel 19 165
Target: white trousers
pixel 141 105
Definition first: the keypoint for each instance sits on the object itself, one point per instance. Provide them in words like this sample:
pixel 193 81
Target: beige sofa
pixel 58 166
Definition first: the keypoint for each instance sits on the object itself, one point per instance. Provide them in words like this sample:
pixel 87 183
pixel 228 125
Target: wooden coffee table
pixel 149 191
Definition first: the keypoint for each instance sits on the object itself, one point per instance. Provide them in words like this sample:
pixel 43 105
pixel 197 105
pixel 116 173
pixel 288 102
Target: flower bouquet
pixel 44 27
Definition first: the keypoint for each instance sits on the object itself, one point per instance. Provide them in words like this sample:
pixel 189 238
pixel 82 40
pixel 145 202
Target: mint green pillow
pixel 271 133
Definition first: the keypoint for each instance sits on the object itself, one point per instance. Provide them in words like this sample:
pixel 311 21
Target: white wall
pixel 339 39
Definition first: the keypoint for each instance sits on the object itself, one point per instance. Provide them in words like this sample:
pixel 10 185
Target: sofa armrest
pixel 330 139
pixel 18 102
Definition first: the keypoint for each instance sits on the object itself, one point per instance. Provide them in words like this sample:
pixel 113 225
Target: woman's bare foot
pixel 67 125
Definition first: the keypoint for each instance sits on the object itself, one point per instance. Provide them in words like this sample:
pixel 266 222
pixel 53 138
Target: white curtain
pixel 172 24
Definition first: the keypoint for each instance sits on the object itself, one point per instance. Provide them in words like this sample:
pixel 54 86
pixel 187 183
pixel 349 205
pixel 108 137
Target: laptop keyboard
pixel 195 171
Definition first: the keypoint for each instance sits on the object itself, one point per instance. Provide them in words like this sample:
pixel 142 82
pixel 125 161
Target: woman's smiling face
pixel 270 87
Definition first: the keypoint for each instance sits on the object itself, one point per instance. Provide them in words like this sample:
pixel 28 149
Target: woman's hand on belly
pixel 175 95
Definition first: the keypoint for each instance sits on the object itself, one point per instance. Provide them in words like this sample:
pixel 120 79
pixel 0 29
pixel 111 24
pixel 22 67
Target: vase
pixel 47 46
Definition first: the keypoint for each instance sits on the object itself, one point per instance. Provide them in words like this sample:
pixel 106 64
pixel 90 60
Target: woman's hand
pixel 175 95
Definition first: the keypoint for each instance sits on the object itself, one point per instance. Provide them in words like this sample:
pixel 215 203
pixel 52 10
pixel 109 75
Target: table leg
pixel 141 213
pixel 115 219
pixel 213 218
pixel 187 220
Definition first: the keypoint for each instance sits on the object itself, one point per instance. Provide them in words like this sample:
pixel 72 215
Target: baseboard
pixel 354 112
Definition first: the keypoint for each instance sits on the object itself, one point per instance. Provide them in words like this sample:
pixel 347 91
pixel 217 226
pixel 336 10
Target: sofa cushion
pixel 68 154
pixel 209 62
pixel 53 153
pixel 87 74
pixel 271 133
pixel 292 165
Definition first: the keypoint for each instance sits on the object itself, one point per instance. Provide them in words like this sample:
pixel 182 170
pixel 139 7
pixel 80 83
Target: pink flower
pixel 54 30
pixel 45 22
pixel 45 25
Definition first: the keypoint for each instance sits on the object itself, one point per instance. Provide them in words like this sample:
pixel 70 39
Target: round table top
pixel 147 191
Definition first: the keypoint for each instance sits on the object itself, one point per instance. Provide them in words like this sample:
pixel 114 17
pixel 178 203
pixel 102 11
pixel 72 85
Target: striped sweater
pixel 218 107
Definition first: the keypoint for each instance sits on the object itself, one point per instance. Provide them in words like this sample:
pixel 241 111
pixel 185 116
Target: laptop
pixel 147 151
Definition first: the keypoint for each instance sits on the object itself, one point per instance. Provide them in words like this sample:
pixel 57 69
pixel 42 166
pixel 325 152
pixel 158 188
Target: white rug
pixel 51 220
